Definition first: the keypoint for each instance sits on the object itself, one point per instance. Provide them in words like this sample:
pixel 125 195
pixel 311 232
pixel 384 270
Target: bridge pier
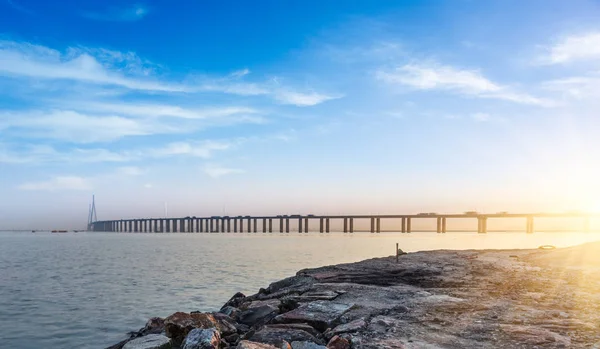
pixel 270 225
pixel 264 225
pixel 444 225
pixel 287 225
pixel 378 225
pixel 280 225
pixel 372 225
pixel 327 225
pixel 345 225
pixel 299 225
pixel 351 225
pixel 306 225
pixel 482 225
pixel 320 225
pixel 255 225
pixel 529 225
pixel 408 225
pixel 439 225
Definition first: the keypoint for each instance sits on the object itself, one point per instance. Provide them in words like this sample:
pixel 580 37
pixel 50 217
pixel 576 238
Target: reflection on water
pixel 86 290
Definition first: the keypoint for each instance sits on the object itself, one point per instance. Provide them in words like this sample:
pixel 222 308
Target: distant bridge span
pixel 240 224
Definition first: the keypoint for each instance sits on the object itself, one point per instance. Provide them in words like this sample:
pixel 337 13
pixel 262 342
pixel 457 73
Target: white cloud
pixel 466 82
pixel 202 149
pixel 439 77
pixel 162 110
pixel 583 47
pixel 39 62
pixel 115 14
pixel 58 183
pixel 72 126
pixel 578 87
pixel 103 67
pixel 302 99
pixel 216 171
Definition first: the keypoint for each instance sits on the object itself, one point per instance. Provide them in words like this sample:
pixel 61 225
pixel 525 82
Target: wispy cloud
pixel 578 87
pixel 119 14
pixel 145 110
pixel 216 171
pixel 15 5
pixel 39 62
pixel 582 47
pixel 72 126
pixel 447 78
pixel 58 183
pixel 202 149
pixel 115 69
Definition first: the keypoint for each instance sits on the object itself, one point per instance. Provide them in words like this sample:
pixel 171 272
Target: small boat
pixel 59 231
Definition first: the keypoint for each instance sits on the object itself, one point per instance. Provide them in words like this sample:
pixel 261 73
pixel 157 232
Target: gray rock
pixel 254 345
pixel 304 327
pixel 151 341
pixel 230 311
pixel 202 339
pixel 325 295
pixel 258 315
pixel 178 325
pixel 275 336
pixel 319 314
pixel 307 345
pixel 352 326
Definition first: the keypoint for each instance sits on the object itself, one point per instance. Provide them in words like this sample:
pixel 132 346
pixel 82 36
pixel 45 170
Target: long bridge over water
pixel 240 224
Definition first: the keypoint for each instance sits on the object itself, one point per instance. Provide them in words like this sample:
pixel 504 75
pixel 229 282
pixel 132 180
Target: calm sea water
pixel 87 290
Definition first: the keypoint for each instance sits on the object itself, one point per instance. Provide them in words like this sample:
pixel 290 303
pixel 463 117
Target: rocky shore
pixel 543 298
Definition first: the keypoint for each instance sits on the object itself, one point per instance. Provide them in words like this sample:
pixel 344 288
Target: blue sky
pixel 269 107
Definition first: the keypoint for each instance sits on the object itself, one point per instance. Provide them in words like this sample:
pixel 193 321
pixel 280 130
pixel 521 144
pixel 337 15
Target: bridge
pixel 240 224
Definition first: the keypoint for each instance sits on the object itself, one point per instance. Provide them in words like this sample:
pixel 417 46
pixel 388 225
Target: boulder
pixel 304 327
pixel 307 345
pixel 178 325
pixel 276 336
pixel 202 339
pixel 258 315
pixel 352 326
pixel 338 342
pixel 226 325
pixel 230 311
pixel 151 341
pixel 254 345
pixel 235 301
pixel 319 314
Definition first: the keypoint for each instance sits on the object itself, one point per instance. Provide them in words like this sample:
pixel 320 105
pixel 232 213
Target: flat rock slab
pixel 151 341
pixel 275 336
pixel 260 314
pixel 319 314
pixel 352 326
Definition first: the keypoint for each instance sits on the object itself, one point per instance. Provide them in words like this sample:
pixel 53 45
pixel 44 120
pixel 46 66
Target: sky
pixel 284 107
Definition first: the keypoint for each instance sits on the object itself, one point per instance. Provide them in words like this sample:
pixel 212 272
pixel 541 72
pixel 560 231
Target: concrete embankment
pixel 543 298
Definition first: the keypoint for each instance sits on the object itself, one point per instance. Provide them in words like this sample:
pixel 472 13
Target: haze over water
pixel 87 290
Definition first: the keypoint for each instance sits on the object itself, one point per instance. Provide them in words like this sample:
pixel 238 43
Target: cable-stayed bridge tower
pixel 92 213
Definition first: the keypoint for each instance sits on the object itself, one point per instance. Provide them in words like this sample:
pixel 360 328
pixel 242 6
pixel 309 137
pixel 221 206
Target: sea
pixel 88 289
